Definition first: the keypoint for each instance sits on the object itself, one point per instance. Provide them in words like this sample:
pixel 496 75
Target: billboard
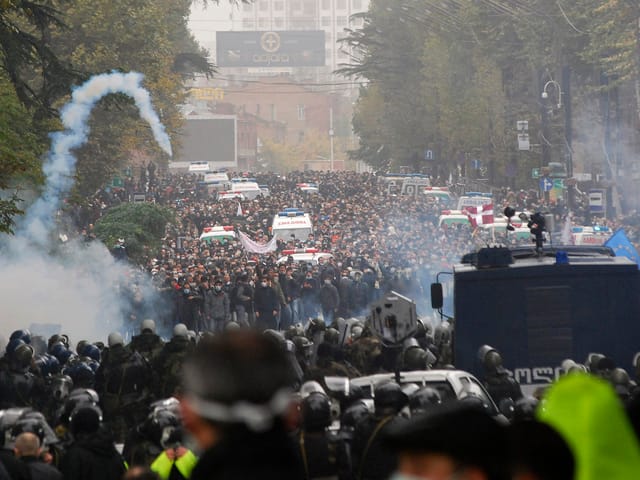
pixel 210 138
pixel 270 49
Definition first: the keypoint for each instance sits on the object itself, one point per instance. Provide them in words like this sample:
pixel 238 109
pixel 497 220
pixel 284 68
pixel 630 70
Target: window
pixel 247 7
pixel 273 112
pixel 278 6
pixel 356 4
pixel 341 4
pixel 326 4
pixel 278 22
pixel 257 109
pixel 264 6
pixel 325 21
pixel 341 21
pixel 263 22
pixel 247 23
pixel 300 136
pixel 296 6
pixel 301 112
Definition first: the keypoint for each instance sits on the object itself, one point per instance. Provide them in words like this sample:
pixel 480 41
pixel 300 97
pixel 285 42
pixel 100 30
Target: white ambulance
pixel 291 222
pixel 594 235
pixel 474 199
pixel 220 233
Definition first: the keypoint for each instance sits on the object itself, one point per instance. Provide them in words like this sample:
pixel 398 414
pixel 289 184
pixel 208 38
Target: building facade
pixel 330 16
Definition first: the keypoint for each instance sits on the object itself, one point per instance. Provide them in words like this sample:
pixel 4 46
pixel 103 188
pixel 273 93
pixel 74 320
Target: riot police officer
pixel 371 459
pixel 122 381
pixel 148 343
pixel 321 450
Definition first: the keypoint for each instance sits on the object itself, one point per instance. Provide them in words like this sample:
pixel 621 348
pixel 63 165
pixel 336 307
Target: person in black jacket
pixel 237 392
pixel 27 449
pixel 92 454
pixel 266 305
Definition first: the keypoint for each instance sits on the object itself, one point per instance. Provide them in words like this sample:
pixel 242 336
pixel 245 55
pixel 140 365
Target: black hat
pixel 464 432
pixel 537 448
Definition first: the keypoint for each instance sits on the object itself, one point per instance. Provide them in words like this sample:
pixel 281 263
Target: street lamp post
pixel 568 125
pixel 545 94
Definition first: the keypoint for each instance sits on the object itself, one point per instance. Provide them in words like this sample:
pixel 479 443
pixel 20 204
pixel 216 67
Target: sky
pixel 204 22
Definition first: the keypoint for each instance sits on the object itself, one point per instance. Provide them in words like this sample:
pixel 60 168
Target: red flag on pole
pixel 481 215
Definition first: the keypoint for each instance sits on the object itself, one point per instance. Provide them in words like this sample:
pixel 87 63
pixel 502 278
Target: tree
pixel 20 148
pixel 455 77
pixel 148 36
pixel 141 225
pixel 285 157
pixel 37 74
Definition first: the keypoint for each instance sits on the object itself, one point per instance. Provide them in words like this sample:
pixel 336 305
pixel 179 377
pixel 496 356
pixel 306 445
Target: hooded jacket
pixel 93 457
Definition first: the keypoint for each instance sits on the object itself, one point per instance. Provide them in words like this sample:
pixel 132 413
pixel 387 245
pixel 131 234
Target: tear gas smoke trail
pixel 60 164
pixel 79 287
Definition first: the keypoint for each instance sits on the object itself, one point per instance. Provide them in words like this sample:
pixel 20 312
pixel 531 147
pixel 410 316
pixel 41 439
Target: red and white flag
pixel 482 215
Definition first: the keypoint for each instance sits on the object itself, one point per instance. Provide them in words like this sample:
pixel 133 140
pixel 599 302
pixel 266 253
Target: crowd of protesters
pixel 259 405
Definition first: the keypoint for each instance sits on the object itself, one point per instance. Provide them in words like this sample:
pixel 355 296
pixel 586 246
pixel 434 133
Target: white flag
pixel 239 212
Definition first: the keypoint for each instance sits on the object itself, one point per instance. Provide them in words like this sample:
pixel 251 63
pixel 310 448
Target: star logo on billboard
pixel 270 42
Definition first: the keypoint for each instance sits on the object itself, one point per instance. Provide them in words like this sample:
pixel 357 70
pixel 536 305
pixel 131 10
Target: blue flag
pixel 622 246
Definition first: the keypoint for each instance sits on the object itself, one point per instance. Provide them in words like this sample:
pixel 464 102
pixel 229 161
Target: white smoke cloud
pixel 60 163
pixel 78 286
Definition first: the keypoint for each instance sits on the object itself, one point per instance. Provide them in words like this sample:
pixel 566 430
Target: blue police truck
pixel 540 307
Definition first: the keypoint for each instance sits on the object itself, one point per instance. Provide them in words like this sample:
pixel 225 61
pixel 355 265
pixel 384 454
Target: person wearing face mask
pixel 329 300
pixel 265 305
pixel 309 291
pixel 216 307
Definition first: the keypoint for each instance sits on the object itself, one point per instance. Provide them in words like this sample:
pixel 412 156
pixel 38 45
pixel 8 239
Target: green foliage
pixel 35 71
pixel 141 225
pixel 455 77
pixel 147 36
pixel 284 157
pixel 20 149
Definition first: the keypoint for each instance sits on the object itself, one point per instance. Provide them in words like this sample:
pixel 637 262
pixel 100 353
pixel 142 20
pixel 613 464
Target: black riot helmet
pixel 22 356
pixel 424 399
pixel 8 419
pixel 316 412
pixel 35 422
pixel 81 374
pixel 354 414
pixel 332 336
pixel 24 335
pixel 388 398
pixel 162 427
pixel 490 358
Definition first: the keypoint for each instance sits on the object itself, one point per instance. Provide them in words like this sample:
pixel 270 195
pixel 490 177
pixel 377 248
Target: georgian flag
pixel 482 215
